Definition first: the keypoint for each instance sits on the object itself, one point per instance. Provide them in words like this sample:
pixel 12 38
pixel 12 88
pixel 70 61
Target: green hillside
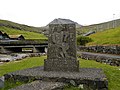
pixel 111 36
pixel 28 32
pixel 99 27
pixel 17 26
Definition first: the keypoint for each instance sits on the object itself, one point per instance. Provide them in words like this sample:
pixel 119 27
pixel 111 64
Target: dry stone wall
pixel 113 61
pixel 101 49
pixel 103 54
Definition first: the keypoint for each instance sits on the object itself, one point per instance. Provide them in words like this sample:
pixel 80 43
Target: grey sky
pixel 41 12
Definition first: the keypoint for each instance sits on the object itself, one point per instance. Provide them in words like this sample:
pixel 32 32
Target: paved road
pixel 99 54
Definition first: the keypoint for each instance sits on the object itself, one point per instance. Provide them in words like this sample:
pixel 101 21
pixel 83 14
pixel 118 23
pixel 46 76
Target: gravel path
pixel 105 55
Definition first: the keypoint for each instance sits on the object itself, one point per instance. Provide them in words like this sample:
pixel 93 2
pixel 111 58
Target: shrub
pixel 83 40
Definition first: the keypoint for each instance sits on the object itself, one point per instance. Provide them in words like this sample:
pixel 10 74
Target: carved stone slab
pixel 61 54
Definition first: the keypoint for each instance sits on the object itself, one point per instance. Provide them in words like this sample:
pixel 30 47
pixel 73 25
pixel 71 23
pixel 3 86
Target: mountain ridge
pixel 79 28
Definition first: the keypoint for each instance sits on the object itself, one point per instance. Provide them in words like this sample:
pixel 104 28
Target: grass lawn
pixel 22 64
pixel 112 72
pixel 111 36
pixel 26 34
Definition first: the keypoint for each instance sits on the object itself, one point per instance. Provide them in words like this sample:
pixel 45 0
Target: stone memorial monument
pixel 61 66
pixel 61 54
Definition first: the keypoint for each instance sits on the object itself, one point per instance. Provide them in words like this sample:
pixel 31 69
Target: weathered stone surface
pixel 91 77
pixel 38 72
pixel 62 21
pixel 2 82
pixel 61 54
pixel 41 85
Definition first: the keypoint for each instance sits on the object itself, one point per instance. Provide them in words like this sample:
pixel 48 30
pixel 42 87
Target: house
pixel 1 35
pixel 16 37
pixel 5 36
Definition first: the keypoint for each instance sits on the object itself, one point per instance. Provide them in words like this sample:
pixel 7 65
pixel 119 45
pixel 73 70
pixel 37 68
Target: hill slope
pixel 17 26
pixel 28 32
pixel 99 27
pixel 110 36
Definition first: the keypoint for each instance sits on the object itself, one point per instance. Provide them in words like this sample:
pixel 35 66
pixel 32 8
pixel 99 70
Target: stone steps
pixel 41 85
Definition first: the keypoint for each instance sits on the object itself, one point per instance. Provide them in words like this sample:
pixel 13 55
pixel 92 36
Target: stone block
pixel 61 55
pixel 2 82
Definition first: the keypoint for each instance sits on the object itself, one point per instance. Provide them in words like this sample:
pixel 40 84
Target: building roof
pixel 89 33
pixel 15 36
pixel 62 21
pixel 3 33
pixel 0 32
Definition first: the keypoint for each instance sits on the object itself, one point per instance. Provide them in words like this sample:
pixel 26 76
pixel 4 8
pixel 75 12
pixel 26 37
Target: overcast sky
pixel 41 12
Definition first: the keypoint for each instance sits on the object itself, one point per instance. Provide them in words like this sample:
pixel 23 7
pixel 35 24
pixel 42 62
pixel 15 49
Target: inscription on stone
pixel 61 54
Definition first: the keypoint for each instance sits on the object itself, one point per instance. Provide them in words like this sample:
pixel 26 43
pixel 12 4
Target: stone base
pixel 71 65
pixel 41 85
pixel 89 77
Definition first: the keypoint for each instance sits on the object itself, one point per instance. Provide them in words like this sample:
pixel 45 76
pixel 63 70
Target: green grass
pixel 17 26
pixel 111 36
pixel 26 34
pixel 11 84
pixel 18 65
pixel 112 72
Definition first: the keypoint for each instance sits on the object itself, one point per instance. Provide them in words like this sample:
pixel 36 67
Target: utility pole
pixel 113 20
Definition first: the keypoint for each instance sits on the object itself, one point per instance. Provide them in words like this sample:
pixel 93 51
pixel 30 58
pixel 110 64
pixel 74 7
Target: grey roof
pixel 89 33
pixel 62 21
